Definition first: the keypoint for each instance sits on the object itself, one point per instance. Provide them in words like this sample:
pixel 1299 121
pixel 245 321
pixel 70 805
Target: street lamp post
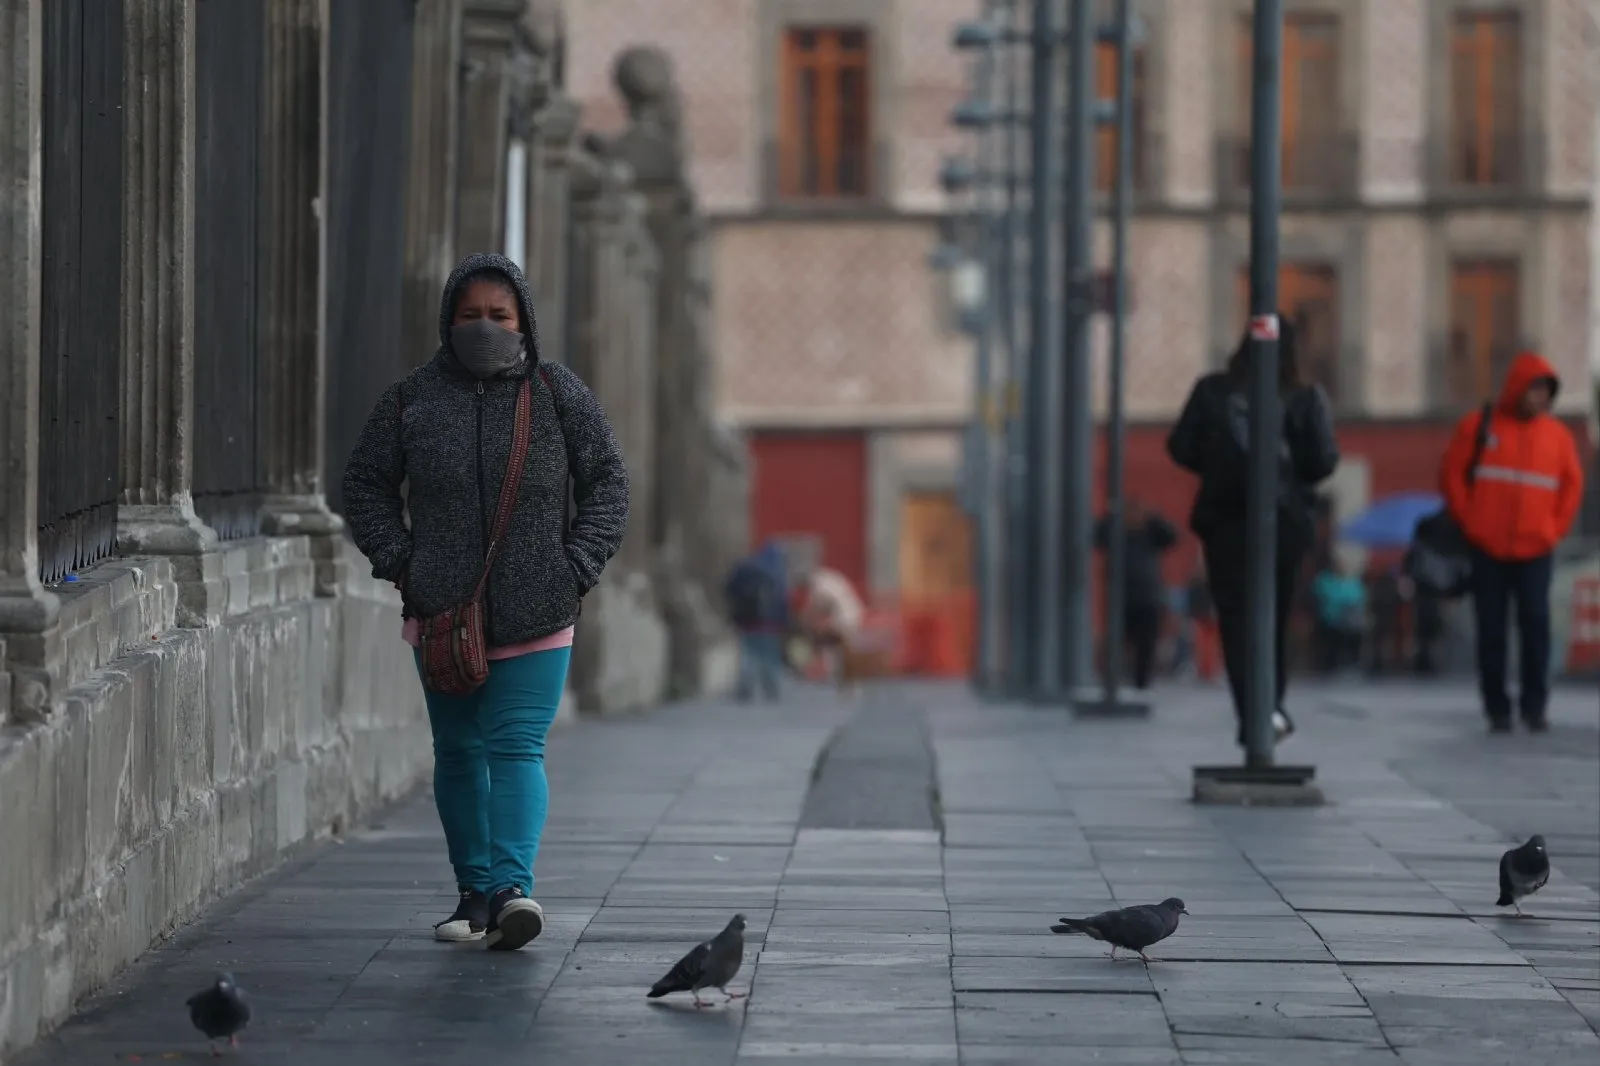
pixel 1109 700
pixel 1044 394
pixel 1259 780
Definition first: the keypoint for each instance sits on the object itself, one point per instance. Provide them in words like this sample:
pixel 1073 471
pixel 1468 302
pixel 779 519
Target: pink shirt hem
pixel 410 634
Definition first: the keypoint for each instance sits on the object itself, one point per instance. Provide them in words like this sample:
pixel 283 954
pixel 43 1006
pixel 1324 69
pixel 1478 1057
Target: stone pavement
pixel 903 916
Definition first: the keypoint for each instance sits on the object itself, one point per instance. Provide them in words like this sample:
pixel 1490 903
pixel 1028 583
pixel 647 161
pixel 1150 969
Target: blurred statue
pixel 653 142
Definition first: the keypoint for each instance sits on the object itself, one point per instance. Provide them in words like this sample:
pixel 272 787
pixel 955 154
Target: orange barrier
pixel 1583 639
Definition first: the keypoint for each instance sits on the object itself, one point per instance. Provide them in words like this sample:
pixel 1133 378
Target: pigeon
pixel 220 1011
pixel 1132 928
pixel 712 964
pixel 1523 871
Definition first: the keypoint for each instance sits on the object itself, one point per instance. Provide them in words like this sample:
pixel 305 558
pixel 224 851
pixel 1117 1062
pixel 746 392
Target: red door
pixel 813 483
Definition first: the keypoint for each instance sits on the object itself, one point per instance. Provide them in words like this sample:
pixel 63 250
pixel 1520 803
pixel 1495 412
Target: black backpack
pixel 1229 466
pixel 1440 558
pixel 751 596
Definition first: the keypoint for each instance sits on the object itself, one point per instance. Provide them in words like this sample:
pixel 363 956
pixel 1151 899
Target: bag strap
pixel 521 436
pixel 1479 443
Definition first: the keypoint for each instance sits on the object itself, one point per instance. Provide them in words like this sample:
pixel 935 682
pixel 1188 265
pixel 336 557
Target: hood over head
pixel 477 263
pixel 1526 368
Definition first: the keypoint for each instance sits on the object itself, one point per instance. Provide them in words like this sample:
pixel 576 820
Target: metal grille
pixel 369 86
pixel 80 285
pixel 230 41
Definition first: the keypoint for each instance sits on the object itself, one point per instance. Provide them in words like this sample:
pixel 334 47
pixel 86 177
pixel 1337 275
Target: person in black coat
pixel 1146 537
pixel 1211 439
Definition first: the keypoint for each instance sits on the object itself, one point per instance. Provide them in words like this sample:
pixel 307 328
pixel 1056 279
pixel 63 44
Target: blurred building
pixel 1438 167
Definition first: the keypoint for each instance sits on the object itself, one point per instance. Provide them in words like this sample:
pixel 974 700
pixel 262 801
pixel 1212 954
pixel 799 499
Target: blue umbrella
pixel 1391 521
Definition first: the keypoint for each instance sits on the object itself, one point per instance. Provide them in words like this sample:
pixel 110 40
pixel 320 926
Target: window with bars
pixel 1106 72
pixel 1485 138
pixel 824 129
pixel 1308 295
pixel 1483 327
pixel 1311 152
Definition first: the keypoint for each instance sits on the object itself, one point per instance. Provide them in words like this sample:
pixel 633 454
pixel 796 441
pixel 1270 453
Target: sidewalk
pixel 1360 933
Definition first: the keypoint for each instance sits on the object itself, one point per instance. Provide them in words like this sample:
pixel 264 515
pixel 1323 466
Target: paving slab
pixel 885 929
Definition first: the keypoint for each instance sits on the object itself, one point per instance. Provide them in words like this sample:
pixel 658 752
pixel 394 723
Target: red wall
pixel 1402 456
pixel 813 483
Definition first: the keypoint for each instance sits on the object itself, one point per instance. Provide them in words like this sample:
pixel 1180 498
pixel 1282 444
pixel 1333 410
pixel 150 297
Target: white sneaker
pixel 1282 728
pixel 468 922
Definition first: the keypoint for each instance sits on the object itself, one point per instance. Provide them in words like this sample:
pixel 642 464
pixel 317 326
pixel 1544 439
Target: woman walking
pixel 490 569
pixel 1211 439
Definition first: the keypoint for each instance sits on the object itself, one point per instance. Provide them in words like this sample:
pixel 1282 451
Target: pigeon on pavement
pixel 712 964
pixel 1523 871
pixel 220 1011
pixel 1132 928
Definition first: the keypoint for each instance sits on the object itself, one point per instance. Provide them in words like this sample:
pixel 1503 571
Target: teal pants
pixel 488 768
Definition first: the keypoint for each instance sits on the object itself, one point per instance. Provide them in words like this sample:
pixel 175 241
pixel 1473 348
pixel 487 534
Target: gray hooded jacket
pixel 447 436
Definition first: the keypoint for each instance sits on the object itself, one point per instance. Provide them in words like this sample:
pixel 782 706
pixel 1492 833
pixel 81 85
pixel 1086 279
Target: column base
pixel 307 515
pixel 162 529
pixel 300 515
pixel 30 648
pixel 175 531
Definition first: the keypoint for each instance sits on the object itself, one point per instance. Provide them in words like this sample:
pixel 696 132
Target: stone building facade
pixel 197 675
pixel 1439 182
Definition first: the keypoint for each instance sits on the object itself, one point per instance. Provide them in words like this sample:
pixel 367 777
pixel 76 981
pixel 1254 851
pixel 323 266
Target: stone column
pixel 600 305
pixel 684 525
pixel 156 514
pixel 431 175
pixel 488 28
pixel 292 355
pixel 549 218
pixel 27 611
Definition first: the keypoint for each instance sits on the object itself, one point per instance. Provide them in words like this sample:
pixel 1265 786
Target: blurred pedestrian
pixel 491 584
pixel 1427 622
pixel 1387 604
pixel 758 608
pixel 1203 616
pixel 1340 600
pixel 1146 537
pixel 832 617
pixel 1211 439
pixel 1514 504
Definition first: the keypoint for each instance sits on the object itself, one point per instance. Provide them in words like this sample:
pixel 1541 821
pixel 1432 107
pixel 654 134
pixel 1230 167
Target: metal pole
pixel 989 573
pixel 1072 446
pixel 1019 588
pixel 1261 536
pixel 1116 429
pixel 1044 392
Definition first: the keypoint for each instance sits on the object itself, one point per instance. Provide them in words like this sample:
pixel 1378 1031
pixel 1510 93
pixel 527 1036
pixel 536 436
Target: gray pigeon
pixel 1132 928
pixel 220 1011
pixel 712 964
pixel 1523 871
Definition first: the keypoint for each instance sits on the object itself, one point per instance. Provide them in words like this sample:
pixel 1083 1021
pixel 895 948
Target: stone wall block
pixel 63 805
pixel 108 708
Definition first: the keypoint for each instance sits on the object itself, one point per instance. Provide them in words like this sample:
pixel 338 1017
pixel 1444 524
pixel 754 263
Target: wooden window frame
pixel 1303 163
pixel 1477 284
pixel 1106 54
pixel 1299 280
pixel 1483 147
pixel 829 58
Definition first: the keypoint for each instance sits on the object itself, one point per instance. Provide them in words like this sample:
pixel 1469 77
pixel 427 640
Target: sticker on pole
pixel 1263 327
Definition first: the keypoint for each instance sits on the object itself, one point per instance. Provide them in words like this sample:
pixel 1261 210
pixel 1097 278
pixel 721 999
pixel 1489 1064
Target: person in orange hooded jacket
pixel 1513 508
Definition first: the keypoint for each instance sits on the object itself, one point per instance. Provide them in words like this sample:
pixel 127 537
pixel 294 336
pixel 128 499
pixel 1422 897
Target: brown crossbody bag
pixel 454 651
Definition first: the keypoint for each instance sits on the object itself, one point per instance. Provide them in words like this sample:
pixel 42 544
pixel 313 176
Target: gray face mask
pixel 486 349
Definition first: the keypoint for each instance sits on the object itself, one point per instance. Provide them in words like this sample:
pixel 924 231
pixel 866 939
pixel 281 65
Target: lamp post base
pixel 1269 786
